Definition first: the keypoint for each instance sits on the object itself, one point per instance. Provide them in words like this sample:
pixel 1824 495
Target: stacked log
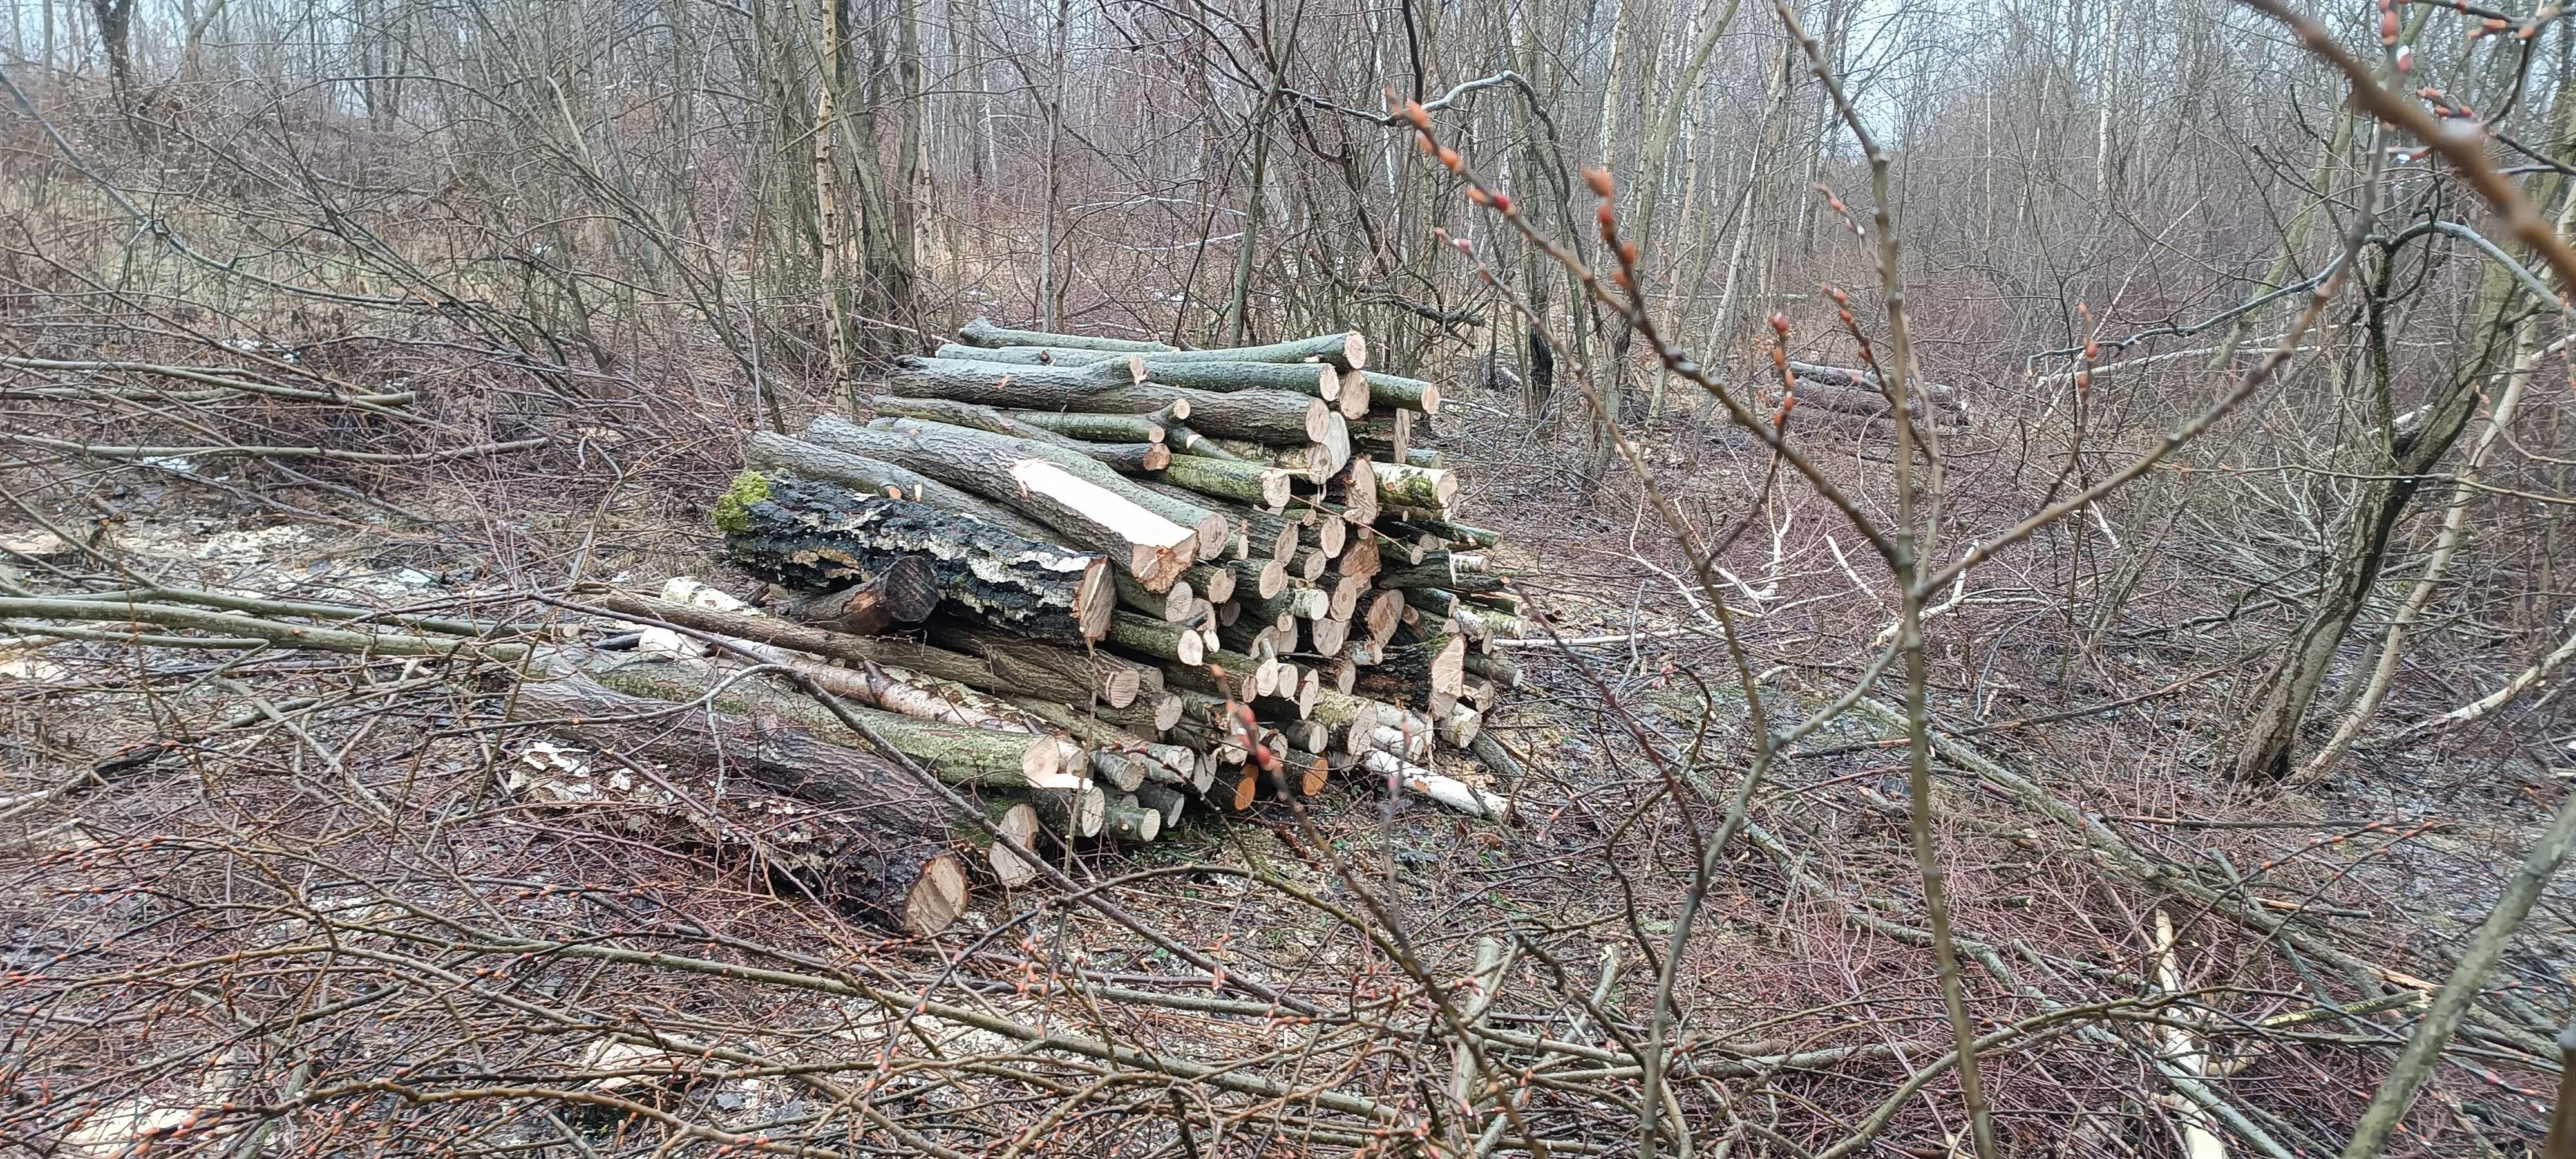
pixel 1163 579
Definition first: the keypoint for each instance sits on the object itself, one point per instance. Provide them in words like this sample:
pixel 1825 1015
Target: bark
pixel 775 452
pixel 982 332
pixel 893 863
pixel 1135 538
pixel 815 536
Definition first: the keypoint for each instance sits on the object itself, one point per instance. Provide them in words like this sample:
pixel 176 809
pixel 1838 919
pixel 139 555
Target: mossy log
pixel 818 536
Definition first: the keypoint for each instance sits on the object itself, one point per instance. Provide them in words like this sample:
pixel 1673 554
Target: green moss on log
pixel 733 508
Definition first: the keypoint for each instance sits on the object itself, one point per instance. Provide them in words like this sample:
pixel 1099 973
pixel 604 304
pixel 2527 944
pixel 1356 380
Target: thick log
pixel 1353 395
pixel 1018 821
pixel 1214 582
pixel 1425 575
pixel 1269 416
pixel 1302 602
pixel 1175 642
pixel 1436 662
pixel 905 593
pixel 1172 605
pixel 992 384
pixel 1399 485
pixel 1274 535
pixel 1259 579
pixel 1342 351
pixel 1194 512
pixel 1118 686
pixel 982 332
pixel 814 536
pixel 1396 392
pixel 1169 801
pixel 1458 729
pixel 1133 457
pixel 1446 790
pixel 1327 637
pixel 1129 820
pixel 1135 537
pixel 1359 492
pixel 1309 563
pixel 1247 483
pixel 767 451
pixel 1329 536
pixel 1096 428
pixel 1321 382
pixel 1453 531
pixel 1073 812
pixel 956 754
pixel 1502 672
pixel 894 865
pixel 1332 452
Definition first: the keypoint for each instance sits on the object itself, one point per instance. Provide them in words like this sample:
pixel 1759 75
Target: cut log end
pixel 1020 824
pixel 1095 601
pixel 938 897
pixel 1355 350
pixel 1431 400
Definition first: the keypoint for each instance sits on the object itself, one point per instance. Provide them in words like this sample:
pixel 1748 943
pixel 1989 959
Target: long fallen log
pixel 1117 686
pixel 993 384
pixel 1396 392
pixel 1268 416
pixel 819 536
pixel 1130 456
pixel 1135 538
pixel 1342 351
pixel 895 866
pixel 982 332
pixel 956 754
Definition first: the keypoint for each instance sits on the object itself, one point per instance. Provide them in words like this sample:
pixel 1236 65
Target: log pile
pixel 1098 584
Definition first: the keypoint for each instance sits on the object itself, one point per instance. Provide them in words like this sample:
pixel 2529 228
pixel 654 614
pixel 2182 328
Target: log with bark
pixel 1133 537
pixel 891 861
pixel 821 536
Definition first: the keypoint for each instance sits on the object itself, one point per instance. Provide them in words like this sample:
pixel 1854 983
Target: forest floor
pixel 126 794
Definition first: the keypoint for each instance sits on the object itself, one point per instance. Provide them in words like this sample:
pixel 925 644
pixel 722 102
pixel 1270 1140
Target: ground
pixel 298 880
